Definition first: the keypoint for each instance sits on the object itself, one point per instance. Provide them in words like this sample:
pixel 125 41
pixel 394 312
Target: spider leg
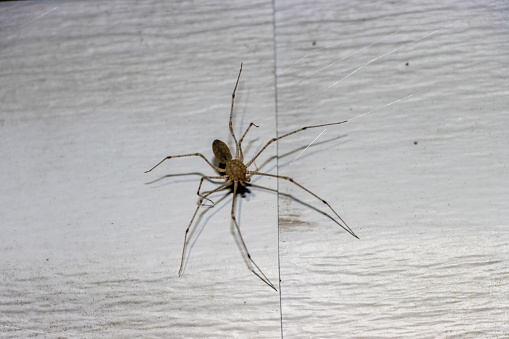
pixel 231 116
pixel 305 189
pixel 201 182
pixel 187 155
pixel 240 141
pixel 192 219
pixel 288 134
pixel 235 185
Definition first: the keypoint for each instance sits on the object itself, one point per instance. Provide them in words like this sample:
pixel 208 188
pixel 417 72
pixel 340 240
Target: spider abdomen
pixel 236 171
pixel 221 151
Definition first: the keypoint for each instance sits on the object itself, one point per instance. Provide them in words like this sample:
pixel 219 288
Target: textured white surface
pixel 423 182
pixel 93 94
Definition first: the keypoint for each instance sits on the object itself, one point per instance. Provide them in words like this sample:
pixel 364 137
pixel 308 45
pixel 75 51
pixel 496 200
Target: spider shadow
pixel 243 192
pixel 174 175
pixel 303 156
pixel 192 238
pixel 305 204
pixel 194 234
pixel 274 191
pixel 286 164
pixel 236 235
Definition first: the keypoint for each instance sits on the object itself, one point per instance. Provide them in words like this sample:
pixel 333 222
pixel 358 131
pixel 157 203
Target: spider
pixel 236 172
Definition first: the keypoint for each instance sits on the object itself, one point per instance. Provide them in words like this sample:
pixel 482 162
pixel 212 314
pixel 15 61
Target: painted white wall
pixel 95 93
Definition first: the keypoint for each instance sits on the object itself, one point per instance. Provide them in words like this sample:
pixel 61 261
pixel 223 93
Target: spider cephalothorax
pixel 236 171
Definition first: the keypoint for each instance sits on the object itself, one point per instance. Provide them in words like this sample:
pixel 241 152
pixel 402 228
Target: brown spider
pixel 236 172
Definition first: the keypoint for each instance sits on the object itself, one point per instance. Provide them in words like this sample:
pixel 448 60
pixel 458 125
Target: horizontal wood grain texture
pixel 95 93
pixel 421 181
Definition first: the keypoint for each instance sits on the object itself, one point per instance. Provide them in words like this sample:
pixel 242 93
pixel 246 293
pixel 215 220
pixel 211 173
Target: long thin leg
pixel 231 116
pixel 201 182
pixel 287 134
pixel 240 141
pixel 305 189
pixel 188 155
pixel 192 219
pixel 235 185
